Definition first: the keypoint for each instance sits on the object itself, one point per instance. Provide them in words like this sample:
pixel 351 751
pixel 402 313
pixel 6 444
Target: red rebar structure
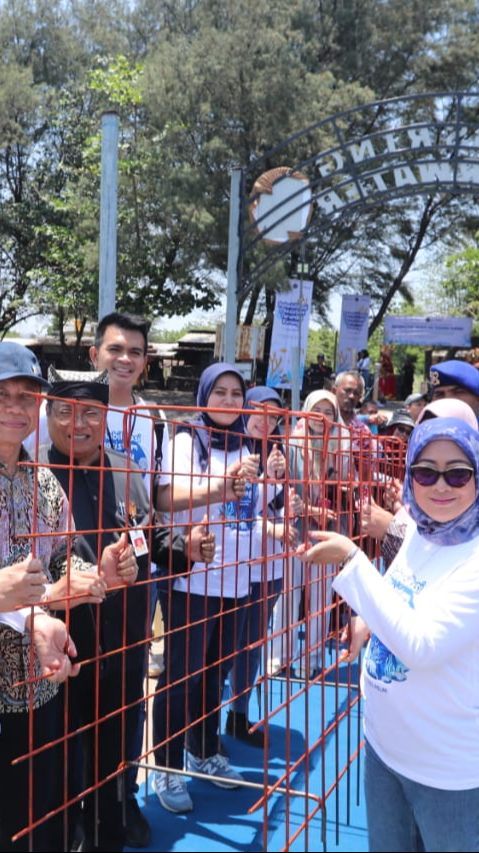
pixel 254 622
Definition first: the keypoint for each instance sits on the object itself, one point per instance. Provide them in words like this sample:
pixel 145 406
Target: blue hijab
pixel 262 394
pixel 465 526
pixel 206 432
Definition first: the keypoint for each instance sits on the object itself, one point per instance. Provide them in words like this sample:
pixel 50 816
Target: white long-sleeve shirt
pixel 421 670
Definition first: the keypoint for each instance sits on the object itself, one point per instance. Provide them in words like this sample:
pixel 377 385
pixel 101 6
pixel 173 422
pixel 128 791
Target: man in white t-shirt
pixel 121 344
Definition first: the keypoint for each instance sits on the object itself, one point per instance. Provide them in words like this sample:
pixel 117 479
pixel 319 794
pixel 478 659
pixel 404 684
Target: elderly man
pixel 349 389
pixel 457 379
pixel 109 501
pixel 34 525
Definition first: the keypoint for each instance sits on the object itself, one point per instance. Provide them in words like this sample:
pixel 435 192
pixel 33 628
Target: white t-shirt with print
pixel 232 522
pixel 135 428
pixel 421 670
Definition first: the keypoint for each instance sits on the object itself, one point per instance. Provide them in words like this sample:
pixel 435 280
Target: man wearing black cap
pixel 108 499
pixel 457 379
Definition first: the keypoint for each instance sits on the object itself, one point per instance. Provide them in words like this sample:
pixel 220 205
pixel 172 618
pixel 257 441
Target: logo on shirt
pixel 381 664
pixel 241 515
pixel 136 452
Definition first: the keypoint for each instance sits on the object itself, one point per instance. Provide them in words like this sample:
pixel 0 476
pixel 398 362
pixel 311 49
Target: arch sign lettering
pixel 374 153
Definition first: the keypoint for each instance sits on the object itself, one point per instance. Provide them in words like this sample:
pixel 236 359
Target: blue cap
pixel 19 362
pixel 455 372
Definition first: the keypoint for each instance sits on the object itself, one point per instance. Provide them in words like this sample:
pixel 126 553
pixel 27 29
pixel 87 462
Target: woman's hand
pixel 201 544
pixel 55 648
pixel 282 532
pixel 331 548
pixel 374 519
pixel 276 464
pixel 356 634
pixel 233 487
pixel 296 505
pixel 393 495
pixel 322 514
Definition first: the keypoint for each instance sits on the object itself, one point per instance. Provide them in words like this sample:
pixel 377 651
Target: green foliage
pixel 200 87
pixel 460 281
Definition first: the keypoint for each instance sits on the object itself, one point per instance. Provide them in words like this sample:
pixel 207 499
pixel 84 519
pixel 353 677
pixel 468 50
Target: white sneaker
pixel 273 666
pixel 171 790
pixel 217 768
pixel 155 665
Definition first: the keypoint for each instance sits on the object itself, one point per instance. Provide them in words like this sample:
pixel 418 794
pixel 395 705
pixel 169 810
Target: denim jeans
pixel 406 816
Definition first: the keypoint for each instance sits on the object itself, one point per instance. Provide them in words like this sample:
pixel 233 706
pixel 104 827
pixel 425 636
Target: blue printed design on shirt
pixel 381 664
pixel 240 515
pixel 136 452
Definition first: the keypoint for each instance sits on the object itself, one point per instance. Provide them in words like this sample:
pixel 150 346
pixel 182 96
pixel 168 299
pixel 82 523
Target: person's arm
pixel 187 489
pixel 420 639
pixel 175 552
pixel 54 646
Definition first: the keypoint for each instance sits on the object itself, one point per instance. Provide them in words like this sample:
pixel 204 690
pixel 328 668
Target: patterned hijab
pixel 257 395
pixel 465 526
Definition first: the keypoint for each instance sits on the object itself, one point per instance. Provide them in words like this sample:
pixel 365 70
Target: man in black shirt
pixel 108 500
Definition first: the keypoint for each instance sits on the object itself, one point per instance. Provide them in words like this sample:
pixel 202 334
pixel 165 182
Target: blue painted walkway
pixel 220 819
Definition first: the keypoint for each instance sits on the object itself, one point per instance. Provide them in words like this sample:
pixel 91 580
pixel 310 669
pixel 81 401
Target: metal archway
pixel 354 160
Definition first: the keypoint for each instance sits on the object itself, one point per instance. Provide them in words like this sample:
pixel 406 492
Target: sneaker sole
pixel 171 809
pixel 220 783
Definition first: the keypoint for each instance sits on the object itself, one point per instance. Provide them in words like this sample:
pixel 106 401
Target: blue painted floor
pixel 220 819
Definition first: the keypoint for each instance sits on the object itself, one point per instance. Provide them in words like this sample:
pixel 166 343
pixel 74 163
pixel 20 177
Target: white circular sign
pixel 281 205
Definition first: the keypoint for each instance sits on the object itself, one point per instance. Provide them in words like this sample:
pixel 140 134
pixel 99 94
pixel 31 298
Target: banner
pixel 428 331
pixel 353 331
pixel 290 331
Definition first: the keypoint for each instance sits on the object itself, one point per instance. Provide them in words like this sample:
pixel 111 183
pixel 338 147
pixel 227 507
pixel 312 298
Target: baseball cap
pixel 19 362
pixel 414 398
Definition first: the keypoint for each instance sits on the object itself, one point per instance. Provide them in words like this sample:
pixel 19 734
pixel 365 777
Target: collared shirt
pixel 34 518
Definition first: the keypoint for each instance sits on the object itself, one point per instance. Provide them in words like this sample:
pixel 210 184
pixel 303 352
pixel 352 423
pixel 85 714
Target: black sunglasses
pixel 454 477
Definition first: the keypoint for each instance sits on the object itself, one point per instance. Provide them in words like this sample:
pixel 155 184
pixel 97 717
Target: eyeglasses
pixel 454 477
pixel 67 414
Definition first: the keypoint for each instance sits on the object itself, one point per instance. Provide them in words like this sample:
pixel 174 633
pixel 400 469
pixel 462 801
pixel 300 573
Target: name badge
pixel 138 540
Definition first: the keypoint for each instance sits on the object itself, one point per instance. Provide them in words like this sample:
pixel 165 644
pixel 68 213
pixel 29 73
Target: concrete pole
pixel 229 346
pixel 108 212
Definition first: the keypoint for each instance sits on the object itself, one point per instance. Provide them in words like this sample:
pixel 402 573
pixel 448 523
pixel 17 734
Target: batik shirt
pixel 34 518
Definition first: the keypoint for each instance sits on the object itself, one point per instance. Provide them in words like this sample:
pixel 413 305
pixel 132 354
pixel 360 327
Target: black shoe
pixel 237 725
pixel 137 830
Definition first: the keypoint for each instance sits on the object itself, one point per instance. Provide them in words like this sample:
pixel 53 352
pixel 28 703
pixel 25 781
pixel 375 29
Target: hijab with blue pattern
pixel 465 526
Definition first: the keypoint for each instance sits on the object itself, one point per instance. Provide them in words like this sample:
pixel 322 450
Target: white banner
pixel 353 331
pixel 428 331
pixel 290 331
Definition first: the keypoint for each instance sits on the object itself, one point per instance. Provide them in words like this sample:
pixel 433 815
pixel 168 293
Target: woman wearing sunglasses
pixel 421 670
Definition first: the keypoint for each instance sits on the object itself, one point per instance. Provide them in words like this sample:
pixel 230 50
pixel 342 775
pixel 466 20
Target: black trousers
pixel 46 793
pixel 200 637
